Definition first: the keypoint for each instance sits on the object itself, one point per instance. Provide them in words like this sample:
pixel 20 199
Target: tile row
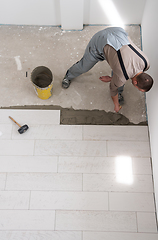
pixel 119 236
pixel 72 164
pixel 75 182
pixel 23 116
pixel 74 132
pixel 77 221
pixel 53 200
pixel 74 148
pixel 105 221
pixel 75 235
pixel 41 235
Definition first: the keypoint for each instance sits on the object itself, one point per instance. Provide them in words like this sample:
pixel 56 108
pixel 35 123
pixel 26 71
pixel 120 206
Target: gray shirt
pixel 116 37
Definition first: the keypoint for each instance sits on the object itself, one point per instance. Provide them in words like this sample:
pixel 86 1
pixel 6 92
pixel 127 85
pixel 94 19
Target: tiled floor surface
pixel 70 183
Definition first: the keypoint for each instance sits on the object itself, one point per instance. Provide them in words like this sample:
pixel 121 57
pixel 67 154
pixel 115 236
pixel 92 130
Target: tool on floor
pixel 22 129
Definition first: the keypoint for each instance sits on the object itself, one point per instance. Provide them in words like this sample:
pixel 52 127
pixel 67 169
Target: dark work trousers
pixel 114 36
pixel 120 89
pixel 85 64
pixel 89 59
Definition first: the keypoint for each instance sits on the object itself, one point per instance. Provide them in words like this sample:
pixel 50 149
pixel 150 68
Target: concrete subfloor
pixel 23 48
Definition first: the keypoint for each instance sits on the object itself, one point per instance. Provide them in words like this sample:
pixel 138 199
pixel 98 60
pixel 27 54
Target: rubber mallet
pixel 22 129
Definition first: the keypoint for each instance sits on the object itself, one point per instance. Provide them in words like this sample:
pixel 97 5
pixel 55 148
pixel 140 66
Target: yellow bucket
pixel 42 80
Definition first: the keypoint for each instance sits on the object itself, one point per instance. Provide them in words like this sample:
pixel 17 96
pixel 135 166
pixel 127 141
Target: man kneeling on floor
pixel 126 60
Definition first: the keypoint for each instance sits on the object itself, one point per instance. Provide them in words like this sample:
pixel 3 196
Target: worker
pixel 126 60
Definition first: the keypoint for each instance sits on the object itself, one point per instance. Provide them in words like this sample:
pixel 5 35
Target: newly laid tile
pixel 5 131
pixel 50 131
pixel 28 164
pixel 95 221
pixel 2 180
pixel 40 235
pixel 70 148
pixel 99 132
pixel 23 116
pixel 86 164
pixel 131 202
pixel 100 165
pixel 119 236
pixel 44 181
pixel 111 182
pixel 27 220
pixel 69 200
pixel 146 222
pixel 141 165
pixel 16 147
pixel 14 200
pixel 129 148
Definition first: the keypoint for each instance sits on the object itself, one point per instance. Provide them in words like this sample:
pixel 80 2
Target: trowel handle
pixel 14 121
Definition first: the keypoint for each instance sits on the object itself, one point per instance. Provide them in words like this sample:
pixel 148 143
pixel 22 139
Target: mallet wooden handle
pixel 14 121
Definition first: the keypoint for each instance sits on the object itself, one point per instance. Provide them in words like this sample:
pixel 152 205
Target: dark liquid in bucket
pixel 42 80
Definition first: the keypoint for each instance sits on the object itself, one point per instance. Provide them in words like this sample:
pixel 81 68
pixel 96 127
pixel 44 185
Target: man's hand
pixel 105 78
pixel 117 106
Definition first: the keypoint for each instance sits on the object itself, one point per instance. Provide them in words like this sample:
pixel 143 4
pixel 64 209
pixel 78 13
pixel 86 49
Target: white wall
pixel 71 10
pixel 150 47
pixel 30 12
pixel 48 12
pixel 98 11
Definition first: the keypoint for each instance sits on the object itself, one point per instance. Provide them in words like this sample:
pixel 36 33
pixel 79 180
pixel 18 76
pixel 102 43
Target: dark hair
pixel 144 81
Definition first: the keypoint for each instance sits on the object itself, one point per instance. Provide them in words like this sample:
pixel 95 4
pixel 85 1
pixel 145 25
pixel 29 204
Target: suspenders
pixel 145 62
pixel 122 63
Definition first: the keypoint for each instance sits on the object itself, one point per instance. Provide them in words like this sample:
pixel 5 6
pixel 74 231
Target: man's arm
pixel 116 103
pixel 105 78
pixel 114 98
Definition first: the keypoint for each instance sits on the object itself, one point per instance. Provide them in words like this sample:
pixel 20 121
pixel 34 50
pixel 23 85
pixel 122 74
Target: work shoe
pixel 66 82
pixel 120 98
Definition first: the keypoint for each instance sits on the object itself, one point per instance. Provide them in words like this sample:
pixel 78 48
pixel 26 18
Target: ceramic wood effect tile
pixel 102 133
pixel 44 181
pixel 30 116
pixel 70 148
pixel 50 131
pixel 141 165
pixel 146 222
pixel 129 148
pixel 16 147
pixel 69 200
pixel 28 164
pixel 100 165
pixel 14 200
pixel 109 182
pixel 2 181
pixel 119 236
pixel 40 235
pixel 61 184
pixel 131 202
pixel 27 219
pixel 5 131
pixel 96 221
pixel 86 164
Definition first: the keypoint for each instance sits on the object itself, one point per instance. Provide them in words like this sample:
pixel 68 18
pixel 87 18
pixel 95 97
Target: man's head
pixel 143 82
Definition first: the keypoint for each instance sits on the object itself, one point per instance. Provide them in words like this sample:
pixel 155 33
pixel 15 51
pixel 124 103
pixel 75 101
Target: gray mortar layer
pixel 69 116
